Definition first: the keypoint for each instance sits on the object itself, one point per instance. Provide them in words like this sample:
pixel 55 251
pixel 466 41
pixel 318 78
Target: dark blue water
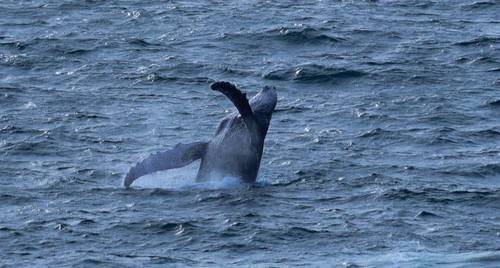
pixel 384 150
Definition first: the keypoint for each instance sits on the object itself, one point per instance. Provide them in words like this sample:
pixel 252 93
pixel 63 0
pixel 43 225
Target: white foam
pixel 29 105
pixel 185 179
pixel 219 183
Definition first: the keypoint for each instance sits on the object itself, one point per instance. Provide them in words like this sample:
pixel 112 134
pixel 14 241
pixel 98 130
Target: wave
pixel 313 73
pixel 480 5
pixel 13 44
pixel 156 77
pixel 475 171
pixel 79 51
pixel 17 60
pixel 435 195
pixel 12 129
pixel 155 259
pixel 392 136
pixel 303 35
pixel 427 258
pixel 495 103
pixel 16 199
pixel 377 132
pixel 485 134
pixel 480 41
pixel 86 115
pixel 184 72
pixel 142 43
pixel 290 35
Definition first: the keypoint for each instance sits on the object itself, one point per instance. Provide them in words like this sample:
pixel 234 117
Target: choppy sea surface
pixel 384 150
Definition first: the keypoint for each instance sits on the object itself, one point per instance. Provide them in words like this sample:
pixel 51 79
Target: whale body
pixel 236 148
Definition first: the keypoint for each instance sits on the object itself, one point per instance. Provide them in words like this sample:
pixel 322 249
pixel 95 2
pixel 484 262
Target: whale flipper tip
pixel 223 86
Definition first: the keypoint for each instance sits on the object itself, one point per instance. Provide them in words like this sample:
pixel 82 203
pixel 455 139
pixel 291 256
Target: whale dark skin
pixel 236 148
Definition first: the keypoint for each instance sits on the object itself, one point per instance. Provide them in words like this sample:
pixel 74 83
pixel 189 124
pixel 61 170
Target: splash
pixel 185 179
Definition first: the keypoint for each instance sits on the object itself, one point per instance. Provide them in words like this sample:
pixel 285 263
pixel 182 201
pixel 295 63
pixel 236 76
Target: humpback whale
pixel 236 148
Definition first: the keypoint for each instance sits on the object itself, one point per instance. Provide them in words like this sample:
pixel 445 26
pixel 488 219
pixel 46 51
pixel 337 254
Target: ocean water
pixel 383 151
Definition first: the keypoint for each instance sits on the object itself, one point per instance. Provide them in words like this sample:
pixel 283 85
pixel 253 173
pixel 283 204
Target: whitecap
pixel 29 105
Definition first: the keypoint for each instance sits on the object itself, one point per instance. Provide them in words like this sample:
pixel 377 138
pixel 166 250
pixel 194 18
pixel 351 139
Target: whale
pixel 234 151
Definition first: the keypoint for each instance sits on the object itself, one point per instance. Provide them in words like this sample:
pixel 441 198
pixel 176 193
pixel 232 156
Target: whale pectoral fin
pixel 181 155
pixel 239 100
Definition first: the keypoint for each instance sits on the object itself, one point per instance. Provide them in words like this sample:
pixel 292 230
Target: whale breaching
pixel 236 148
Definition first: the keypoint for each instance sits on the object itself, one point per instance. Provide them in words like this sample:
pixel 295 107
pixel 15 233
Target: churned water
pixel 384 150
